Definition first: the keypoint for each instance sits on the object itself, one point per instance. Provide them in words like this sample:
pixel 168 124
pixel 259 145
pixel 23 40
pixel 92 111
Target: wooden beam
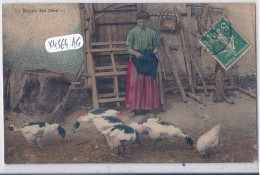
pixel 246 92
pixel 191 95
pixel 198 5
pixel 107 43
pixel 110 67
pixel 112 7
pixel 122 53
pixel 102 74
pixel 108 50
pixel 83 25
pixel 184 49
pixel 161 87
pixel 170 89
pixel 110 95
pixel 90 65
pixel 90 18
pixel 115 10
pixel 213 87
pixel 115 77
pixel 231 80
pixel 219 84
pixel 116 23
pixel 111 100
pixel 193 65
pixel 176 76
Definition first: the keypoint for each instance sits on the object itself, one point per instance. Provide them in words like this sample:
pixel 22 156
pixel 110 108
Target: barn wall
pixel 24 34
pixel 25 30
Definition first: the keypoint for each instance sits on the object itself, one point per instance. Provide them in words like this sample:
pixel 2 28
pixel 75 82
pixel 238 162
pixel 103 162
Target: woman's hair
pixel 142 15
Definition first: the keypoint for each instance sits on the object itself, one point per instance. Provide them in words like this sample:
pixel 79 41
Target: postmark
pixel 225 43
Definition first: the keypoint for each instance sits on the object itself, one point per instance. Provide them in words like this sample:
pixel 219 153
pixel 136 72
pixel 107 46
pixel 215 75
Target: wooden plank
pixel 246 92
pixel 108 43
pixel 191 95
pixel 219 84
pixel 184 49
pixel 83 25
pixel 103 74
pixel 75 87
pixel 161 87
pixel 116 23
pixel 110 95
pixel 115 77
pixel 115 53
pixel 108 50
pixel 231 80
pixel 194 66
pixel 176 76
pixel 117 17
pixel 213 87
pixel 115 10
pixel 111 100
pixel 110 67
pixel 187 38
pixel 200 6
pixel 90 61
pixel 111 7
pixel 90 18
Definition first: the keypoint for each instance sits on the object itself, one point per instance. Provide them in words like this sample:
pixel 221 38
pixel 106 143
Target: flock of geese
pixel 119 135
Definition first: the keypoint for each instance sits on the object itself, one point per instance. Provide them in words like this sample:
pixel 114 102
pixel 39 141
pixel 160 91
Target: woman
pixel 142 84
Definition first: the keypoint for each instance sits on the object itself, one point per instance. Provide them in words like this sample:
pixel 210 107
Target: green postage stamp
pixel 225 43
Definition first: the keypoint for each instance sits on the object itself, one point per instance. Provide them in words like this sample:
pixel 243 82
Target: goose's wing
pixel 123 132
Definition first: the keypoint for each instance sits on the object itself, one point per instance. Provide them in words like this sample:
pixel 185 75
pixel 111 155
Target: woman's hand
pixel 155 51
pixel 134 53
pixel 138 55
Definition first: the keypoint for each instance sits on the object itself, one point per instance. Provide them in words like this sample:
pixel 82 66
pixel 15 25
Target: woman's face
pixel 142 23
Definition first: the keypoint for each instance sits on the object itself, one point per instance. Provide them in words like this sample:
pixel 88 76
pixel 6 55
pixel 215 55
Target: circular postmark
pixel 218 37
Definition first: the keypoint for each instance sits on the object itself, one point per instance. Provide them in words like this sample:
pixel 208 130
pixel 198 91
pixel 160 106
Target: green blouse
pixel 142 39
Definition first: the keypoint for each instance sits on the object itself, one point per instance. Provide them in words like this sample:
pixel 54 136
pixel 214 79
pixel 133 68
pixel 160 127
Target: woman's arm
pixel 134 53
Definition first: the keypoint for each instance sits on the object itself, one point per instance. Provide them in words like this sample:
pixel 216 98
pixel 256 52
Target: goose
pixel 34 131
pixel 120 136
pixel 95 114
pixel 138 126
pixel 161 130
pixel 208 140
pixel 105 122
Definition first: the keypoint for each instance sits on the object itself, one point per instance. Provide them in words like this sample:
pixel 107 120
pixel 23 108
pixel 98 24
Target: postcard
pixel 119 83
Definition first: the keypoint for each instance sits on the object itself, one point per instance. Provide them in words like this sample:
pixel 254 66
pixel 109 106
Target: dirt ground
pixel 238 139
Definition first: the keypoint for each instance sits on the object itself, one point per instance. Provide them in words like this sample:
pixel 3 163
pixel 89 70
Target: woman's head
pixel 142 19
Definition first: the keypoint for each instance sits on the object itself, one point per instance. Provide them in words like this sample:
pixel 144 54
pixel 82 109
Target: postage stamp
pixel 225 43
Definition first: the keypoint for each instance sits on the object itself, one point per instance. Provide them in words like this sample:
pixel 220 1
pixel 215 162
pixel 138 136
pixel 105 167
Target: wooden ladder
pixel 107 48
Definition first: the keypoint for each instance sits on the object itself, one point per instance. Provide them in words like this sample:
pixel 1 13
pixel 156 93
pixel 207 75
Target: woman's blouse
pixel 142 39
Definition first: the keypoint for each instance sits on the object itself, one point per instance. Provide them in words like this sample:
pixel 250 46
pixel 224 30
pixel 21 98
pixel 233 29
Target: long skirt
pixel 141 91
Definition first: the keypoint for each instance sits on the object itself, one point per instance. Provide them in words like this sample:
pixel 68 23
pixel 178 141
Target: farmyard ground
pixel 238 140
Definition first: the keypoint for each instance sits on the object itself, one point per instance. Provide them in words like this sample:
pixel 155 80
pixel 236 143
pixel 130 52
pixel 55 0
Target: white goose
pixel 160 130
pixel 34 131
pixel 105 122
pixel 120 136
pixel 138 126
pixel 208 140
pixel 96 113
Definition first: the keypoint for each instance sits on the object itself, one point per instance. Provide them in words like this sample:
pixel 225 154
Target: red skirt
pixel 141 91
